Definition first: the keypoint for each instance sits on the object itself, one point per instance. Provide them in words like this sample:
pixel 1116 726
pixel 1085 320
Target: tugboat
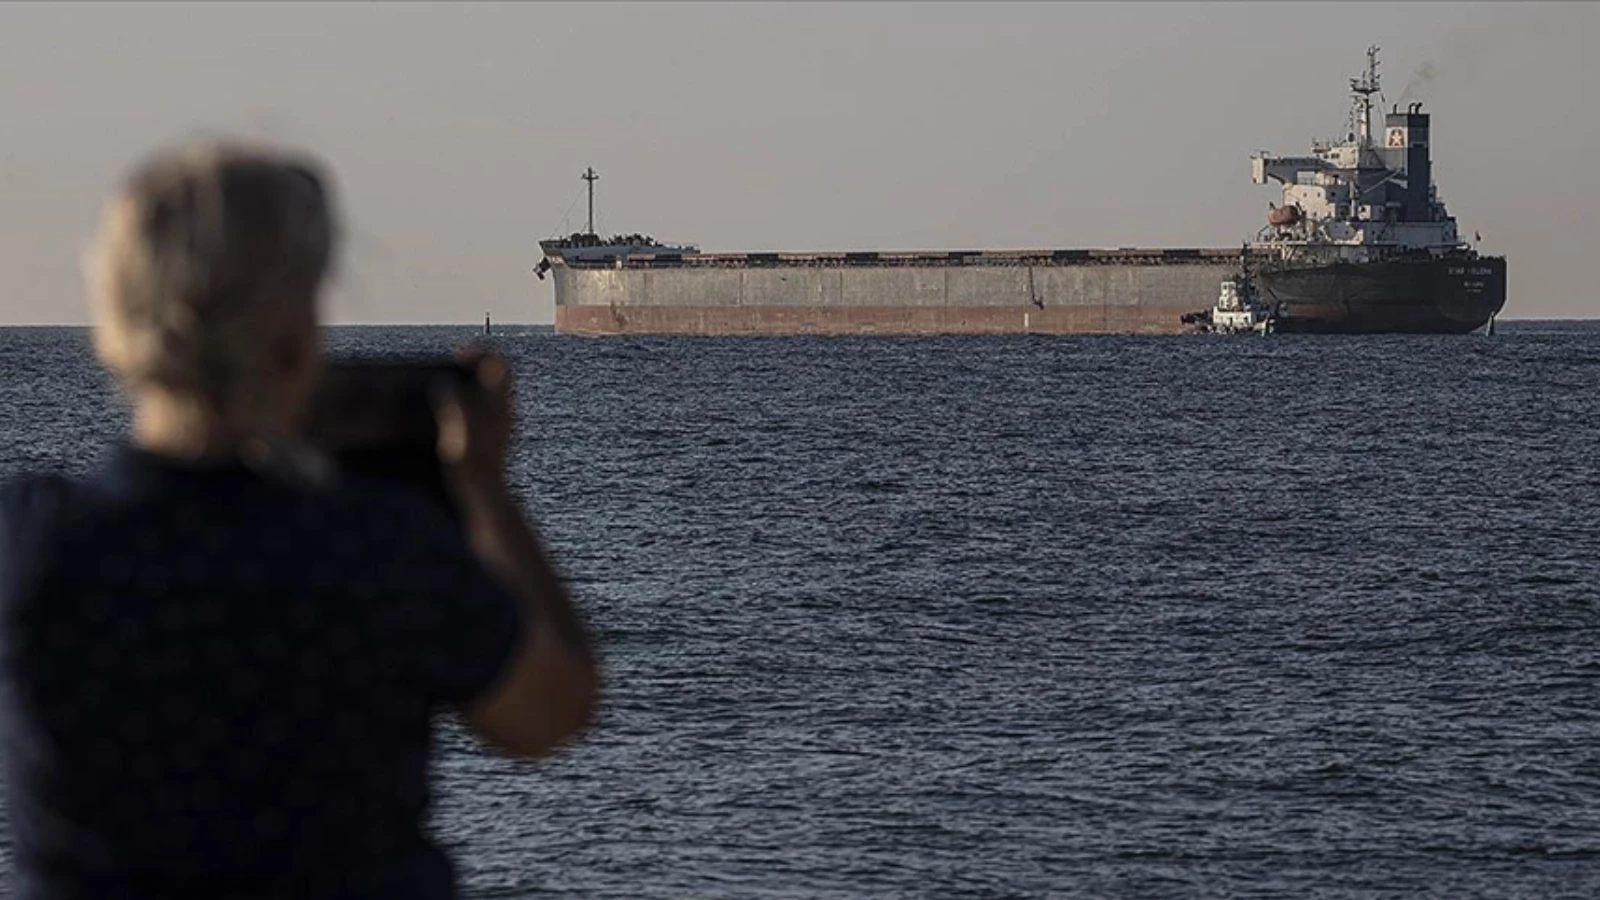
pixel 1238 309
pixel 1237 313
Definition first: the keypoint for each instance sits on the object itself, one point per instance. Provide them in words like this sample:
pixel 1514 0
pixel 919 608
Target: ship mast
pixel 591 177
pixel 1363 88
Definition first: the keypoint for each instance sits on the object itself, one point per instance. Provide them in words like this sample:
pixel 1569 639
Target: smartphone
pixel 375 418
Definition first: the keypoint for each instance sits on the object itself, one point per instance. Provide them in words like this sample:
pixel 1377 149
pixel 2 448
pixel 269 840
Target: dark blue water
pixel 1029 617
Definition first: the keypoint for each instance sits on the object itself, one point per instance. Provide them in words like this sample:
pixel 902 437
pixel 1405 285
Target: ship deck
pixel 1140 256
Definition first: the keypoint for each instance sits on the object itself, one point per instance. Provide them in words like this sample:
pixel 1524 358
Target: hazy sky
pixel 457 132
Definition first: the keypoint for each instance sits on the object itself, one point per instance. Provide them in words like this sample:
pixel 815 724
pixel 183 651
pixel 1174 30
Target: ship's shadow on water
pixel 1034 616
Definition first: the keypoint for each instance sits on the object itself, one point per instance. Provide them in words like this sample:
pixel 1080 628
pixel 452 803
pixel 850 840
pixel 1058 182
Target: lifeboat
pixel 1283 216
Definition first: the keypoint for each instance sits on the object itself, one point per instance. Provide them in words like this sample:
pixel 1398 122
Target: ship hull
pixel 1430 296
pixel 873 319
pixel 1048 292
pixel 1065 292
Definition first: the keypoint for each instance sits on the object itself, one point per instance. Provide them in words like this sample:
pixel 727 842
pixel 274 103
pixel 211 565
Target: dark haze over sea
pixel 1029 616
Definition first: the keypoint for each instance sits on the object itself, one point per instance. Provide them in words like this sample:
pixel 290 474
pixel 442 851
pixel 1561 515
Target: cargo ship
pixel 1361 243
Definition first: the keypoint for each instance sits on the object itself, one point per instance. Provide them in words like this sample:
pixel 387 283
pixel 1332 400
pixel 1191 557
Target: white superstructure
pixel 1361 199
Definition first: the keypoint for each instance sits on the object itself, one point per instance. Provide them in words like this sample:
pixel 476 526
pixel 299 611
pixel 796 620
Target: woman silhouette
pixel 218 675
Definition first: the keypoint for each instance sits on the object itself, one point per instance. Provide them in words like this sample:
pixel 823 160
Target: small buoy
pixel 486 323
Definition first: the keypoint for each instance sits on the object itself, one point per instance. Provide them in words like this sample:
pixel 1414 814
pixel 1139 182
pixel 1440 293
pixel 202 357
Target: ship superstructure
pixel 1360 199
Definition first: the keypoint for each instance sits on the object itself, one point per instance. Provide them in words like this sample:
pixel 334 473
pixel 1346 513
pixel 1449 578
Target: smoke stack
pixel 1405 148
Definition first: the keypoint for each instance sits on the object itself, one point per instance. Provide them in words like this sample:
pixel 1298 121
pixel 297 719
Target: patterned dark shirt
pixel 217 684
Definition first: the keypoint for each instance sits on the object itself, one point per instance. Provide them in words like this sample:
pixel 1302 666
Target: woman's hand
pixel 475 427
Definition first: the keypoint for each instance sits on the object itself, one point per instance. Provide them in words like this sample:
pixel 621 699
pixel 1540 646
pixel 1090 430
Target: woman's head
pixel 205 278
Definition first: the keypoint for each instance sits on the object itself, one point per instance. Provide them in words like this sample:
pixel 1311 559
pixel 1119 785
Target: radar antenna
pixel 1363 88
pixel 591 177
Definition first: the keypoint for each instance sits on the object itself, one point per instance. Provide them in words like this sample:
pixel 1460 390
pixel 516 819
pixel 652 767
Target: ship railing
pixel 917 259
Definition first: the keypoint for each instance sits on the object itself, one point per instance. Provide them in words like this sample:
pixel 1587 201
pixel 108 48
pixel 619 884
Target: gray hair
pixel 206 270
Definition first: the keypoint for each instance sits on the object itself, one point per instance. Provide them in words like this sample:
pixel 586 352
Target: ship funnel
pixel 1406 150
